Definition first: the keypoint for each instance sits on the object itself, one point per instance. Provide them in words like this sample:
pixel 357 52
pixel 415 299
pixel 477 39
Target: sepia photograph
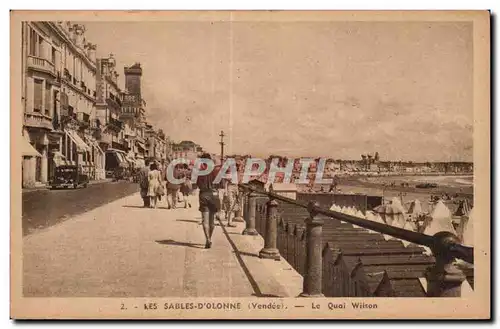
pixel 250 165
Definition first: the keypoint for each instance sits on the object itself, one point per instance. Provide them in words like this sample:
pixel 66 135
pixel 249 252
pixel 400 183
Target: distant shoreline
pixel 374 185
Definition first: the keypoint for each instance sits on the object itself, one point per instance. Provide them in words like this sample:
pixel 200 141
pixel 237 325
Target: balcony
pixel 129 112
pixel 114 103
pixel 115 125
pixel 38 120
pixel 140 139
pixel 104 137
pixel 42 65
pixel 83 120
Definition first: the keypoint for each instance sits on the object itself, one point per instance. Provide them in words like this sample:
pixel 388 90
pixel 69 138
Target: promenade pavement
pixel 123 250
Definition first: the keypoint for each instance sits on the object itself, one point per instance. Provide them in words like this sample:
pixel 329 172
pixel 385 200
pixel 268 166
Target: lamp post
pixel 221 145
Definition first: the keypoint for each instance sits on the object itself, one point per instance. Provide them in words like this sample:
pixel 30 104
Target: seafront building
pixel 188 150
pixel 58 94
pixel 74 111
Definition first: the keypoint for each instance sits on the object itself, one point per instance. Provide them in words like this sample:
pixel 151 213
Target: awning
pixel 59 159
pixel 29 150
pixel 80 144
pixel 96 145
pixel 141 145
pixel 140 163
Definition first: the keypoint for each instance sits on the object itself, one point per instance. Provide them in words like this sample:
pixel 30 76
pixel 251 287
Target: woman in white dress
pixel 154 180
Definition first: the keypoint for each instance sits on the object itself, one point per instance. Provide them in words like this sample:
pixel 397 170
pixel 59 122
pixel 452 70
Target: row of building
pixel 74 111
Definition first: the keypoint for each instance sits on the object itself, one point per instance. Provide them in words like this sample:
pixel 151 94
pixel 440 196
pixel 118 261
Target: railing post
pixel 250 215
pixel 239 213
pixel 444 279
pixel 314 262
pixel 270 251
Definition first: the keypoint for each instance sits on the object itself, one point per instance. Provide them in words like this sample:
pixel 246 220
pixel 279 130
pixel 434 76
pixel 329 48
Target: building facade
pixel 157 145
pixel 187 150
pixel 58 95
pixel 109 105
pixel 133 113
pixel 74 112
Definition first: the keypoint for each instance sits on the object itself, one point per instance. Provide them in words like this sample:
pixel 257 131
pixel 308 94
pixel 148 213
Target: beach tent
pixel 415 208
pixel 391 213
pixel 440 220
pixel 468 233
pixel 463 208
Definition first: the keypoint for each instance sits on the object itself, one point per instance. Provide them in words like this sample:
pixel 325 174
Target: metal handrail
pixel 444 244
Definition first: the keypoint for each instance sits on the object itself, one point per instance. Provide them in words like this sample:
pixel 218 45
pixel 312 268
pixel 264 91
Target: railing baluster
pixel 250 218
pixel 270 251
pixel 239 214
pixel 444 279
pixel 314 260
pixel 290 250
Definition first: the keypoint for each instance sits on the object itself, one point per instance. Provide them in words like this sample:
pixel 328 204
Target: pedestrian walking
pixel 209 202
pixel 231 198
pixel 144 184
pixel 154 187
pixel 186 189
pixel 173 189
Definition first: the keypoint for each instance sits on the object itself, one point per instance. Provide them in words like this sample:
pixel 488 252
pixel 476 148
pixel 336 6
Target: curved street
pixel 43 208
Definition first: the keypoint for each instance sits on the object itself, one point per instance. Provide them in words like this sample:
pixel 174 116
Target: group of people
pixel 215 199
pixel 154 185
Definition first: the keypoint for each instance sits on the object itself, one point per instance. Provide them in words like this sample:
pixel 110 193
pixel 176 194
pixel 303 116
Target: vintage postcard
pixel 250 165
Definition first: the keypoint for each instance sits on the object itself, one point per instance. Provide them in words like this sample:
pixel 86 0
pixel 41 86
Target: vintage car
pixel 69 176
pixel 426 185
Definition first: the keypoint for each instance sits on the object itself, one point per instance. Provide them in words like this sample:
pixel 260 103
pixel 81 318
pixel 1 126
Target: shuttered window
pixel 33 49
pixel 38 95
pixel 48 96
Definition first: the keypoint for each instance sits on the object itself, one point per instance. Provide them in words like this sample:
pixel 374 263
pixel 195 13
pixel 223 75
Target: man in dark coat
pixel 144 184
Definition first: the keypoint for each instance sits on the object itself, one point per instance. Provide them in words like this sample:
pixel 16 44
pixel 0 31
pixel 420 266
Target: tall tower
pixel 133 76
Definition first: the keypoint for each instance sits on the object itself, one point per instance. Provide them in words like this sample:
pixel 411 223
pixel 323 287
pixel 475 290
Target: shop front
pixel 78 153
pixel 30 157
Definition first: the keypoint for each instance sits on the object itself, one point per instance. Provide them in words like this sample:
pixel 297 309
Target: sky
pixel 336 89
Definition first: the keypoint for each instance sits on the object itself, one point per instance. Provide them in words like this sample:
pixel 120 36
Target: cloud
pixel 306 89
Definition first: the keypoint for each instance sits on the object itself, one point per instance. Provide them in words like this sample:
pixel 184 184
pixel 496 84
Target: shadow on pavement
pixel 189 221
pixel 266 295
pixel 141 207
pixel 248 254
pixel 182 244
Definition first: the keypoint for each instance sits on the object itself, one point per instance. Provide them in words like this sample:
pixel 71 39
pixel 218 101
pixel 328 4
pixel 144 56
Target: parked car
pixel 426 185
pixel 69 176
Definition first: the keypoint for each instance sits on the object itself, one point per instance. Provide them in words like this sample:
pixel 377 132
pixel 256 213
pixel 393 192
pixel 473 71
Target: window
pixel 33 42
pixel 63 145
pixel 47 99
pixel 53 55
pixel 38 95
pixel 40 47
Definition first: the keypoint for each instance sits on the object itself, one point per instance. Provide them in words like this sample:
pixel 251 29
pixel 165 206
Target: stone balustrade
pixel 342 255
